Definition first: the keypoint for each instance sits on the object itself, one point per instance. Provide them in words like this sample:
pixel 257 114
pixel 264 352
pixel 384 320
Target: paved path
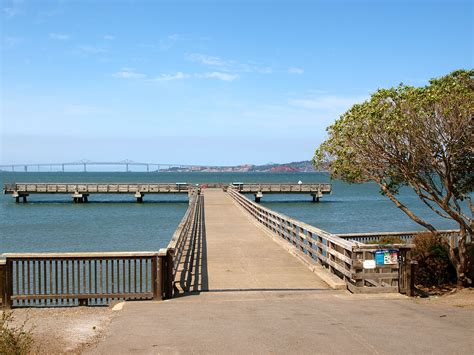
pixel 305 322
pixel 260 299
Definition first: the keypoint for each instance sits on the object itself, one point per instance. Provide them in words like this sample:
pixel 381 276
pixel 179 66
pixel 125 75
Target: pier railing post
pixel 168 269
pixel 6 283
pixel 157 276
pixel 412 274
pixel 2 281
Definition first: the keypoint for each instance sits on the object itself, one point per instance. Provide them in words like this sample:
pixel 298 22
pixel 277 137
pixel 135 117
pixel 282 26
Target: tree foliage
pixel 416 136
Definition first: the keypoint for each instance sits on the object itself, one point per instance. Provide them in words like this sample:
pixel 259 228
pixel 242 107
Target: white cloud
pixel 207 75
pixel 295 70
pixel 131 73
pixel 128 73
pixel 108 37
pixel 218 75
pixel 169 41
pixel 59 36
pixel 168 77
pixel 208 60
pixel 328 102
pixel 227 65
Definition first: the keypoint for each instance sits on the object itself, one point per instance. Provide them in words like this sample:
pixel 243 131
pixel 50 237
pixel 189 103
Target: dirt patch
pixel 64 330
pixel 463 298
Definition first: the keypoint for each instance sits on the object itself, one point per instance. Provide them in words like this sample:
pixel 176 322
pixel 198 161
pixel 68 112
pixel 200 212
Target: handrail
pixel 95 278
pixel 322 247
pixel 342 257
pixel 79 255
pixel 282 187
pixel 114 187
pixel 451 235
pixel 180 236
pixel 66 279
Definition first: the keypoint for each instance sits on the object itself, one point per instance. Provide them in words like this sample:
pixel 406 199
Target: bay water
pixel 52 223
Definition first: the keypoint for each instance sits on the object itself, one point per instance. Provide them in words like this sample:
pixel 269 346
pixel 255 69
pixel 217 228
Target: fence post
pixel 157 277
pixel 6 283
pixel 168 275
pixel 413 266
pixel 2 281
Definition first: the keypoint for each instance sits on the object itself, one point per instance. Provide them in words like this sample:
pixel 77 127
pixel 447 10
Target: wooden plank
pixel 371 290
pixel 82 296
pixel 374 275
pixel 89 255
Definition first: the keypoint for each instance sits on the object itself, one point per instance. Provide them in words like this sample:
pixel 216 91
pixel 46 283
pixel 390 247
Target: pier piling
pixel 139 197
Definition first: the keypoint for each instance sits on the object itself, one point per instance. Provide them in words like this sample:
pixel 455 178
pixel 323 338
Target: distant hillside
pixel 298 166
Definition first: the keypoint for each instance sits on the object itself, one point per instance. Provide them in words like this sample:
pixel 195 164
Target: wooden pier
pixel 315 190
pixel 224 241
pixel 80 191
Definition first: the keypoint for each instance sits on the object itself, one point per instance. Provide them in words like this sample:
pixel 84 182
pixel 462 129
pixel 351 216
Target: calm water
pixel 116 223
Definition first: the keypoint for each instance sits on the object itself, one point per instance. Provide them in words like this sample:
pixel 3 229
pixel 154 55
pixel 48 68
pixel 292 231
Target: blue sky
pixel 208 82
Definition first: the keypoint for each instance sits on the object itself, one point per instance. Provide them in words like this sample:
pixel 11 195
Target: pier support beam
pixel 139 196
pixel 17 195
pixel 80 198
pixel 317 196
pixel 258 196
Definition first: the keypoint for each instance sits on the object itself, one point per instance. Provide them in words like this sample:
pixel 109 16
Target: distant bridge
pixel 84 164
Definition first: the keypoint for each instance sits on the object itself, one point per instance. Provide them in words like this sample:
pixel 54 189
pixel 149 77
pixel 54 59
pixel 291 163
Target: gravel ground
pixel 463 298
pixel 64 330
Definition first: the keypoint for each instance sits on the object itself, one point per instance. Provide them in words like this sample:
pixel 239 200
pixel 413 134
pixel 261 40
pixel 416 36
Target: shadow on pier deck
pixel 231 253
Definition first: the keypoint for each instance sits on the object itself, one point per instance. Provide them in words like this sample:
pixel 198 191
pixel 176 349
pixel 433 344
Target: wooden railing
pixel 324 248
pixel 451 236
pixel 282 188
pixel 342 257
pixel 186 229
pixel 91 188
pixel 68 279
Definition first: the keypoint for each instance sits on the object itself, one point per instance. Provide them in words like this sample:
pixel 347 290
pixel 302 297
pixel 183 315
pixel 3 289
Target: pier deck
pixel 241 256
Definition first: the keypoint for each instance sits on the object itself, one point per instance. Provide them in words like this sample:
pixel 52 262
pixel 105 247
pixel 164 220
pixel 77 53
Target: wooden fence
pixel 95 188
pixel 80 278
pixel 282 188
pixel 187 229
pixel 68 279
pixel 451 236
pixel 352 261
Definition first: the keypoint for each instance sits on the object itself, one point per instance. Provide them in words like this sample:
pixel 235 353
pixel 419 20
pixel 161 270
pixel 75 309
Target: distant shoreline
pixel 304 166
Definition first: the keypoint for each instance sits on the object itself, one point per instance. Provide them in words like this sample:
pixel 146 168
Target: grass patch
pixel 14 339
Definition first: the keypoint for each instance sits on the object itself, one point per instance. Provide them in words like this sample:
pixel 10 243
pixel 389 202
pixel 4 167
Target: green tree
pixel 420 137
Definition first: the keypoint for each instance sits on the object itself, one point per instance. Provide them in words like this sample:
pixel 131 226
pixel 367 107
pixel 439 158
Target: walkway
pixel 241 256
pixel 261 299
